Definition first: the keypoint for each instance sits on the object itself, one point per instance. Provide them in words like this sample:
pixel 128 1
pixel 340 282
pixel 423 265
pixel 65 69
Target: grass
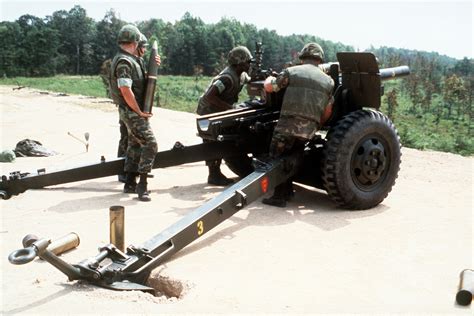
pixel 426 133
pixel 178 93
pixel 182 93
pixel 82 85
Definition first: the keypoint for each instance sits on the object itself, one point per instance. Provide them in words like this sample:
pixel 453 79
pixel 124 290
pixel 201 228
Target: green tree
pixel 392 103
pixel 465 68
pixel 454 95
pixel 36 46
pixel 10 50
pixel 172 50
pixel 76 31
pixel 104 43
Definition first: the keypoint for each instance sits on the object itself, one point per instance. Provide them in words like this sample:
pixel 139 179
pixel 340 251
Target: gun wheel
pixel 4 195
pixel 361 159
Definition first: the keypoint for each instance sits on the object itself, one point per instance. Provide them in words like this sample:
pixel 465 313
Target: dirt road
pixel 403 256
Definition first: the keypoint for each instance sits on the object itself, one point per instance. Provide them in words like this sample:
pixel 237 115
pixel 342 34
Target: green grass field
pixel 83 85
pixel 172 92
pixel 182 93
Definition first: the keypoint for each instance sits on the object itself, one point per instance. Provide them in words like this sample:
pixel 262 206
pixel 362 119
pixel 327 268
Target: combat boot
pixel 122 177
pixel 216 177
pixel 283 193
pixel 142 190
pixel 130 185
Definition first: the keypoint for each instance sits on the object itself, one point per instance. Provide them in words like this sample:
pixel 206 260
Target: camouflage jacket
pixel 126 66
pixel 229 85
pixel 308 91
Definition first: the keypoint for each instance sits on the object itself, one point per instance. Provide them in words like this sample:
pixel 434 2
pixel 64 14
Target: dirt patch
pixel 166 285
pixel 403 256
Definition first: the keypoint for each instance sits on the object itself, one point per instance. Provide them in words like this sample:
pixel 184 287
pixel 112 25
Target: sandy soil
pixel 403 256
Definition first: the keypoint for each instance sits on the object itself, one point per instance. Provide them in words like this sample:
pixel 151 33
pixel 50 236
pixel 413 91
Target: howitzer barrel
pixel 395 72
pixel 151 82
pixel 327 66
pixel 385 73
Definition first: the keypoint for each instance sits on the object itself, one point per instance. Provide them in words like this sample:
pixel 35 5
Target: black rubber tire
pixel 4 195
pixel 361 159
pixel 240 165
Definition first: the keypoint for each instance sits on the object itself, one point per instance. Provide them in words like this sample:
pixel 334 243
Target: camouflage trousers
pixel 291 131
pixel 123 142
pixel 142 146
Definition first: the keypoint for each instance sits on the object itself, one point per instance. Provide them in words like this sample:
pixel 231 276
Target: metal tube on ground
pixel 57 246
pixel 63 244
pixel 466 288
pixel 117 226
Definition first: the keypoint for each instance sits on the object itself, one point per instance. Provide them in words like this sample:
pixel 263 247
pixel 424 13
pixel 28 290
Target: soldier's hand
pixel 268 84
pixel 145 115
pixel 158 59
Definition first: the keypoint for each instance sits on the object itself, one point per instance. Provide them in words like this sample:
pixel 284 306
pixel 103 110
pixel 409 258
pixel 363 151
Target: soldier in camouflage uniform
pixel 128 84
pixel 123 142
pixel 221 95
pixel 306 106
pixel 141 49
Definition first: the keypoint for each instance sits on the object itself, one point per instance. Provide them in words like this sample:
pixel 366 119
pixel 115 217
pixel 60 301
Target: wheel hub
pixel 369 162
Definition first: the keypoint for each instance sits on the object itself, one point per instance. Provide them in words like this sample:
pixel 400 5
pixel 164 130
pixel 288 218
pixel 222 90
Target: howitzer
pixel 256 71
pixel 249 130
pixel 356 162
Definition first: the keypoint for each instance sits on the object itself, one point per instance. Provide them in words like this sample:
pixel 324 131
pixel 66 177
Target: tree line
pixel 70 42
pixel 438 85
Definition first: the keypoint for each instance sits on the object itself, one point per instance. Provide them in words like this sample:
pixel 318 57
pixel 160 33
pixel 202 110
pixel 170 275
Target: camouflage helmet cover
pixel 7 155
pixel 312 50
pixel 239 55
pixel 143 42
pixel 129 33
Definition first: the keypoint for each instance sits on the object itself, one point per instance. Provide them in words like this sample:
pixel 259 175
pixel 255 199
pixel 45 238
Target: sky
pixel 441 26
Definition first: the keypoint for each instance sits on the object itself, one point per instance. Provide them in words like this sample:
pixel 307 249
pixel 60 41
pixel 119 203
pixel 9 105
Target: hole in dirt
pixel 167 286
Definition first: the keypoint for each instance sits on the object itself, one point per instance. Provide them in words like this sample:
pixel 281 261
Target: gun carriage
pixel 355 158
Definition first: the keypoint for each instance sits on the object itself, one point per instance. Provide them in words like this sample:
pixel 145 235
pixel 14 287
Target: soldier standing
pixel 128 84
pixel 221 94
pixel 123 142
pixel 306 106
pixel 141 48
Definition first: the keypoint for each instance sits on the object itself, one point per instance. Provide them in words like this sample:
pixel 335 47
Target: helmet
pixel 143 42
pixel 128 33
pixel 7 155
pixel 311 50
pixel 239 55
